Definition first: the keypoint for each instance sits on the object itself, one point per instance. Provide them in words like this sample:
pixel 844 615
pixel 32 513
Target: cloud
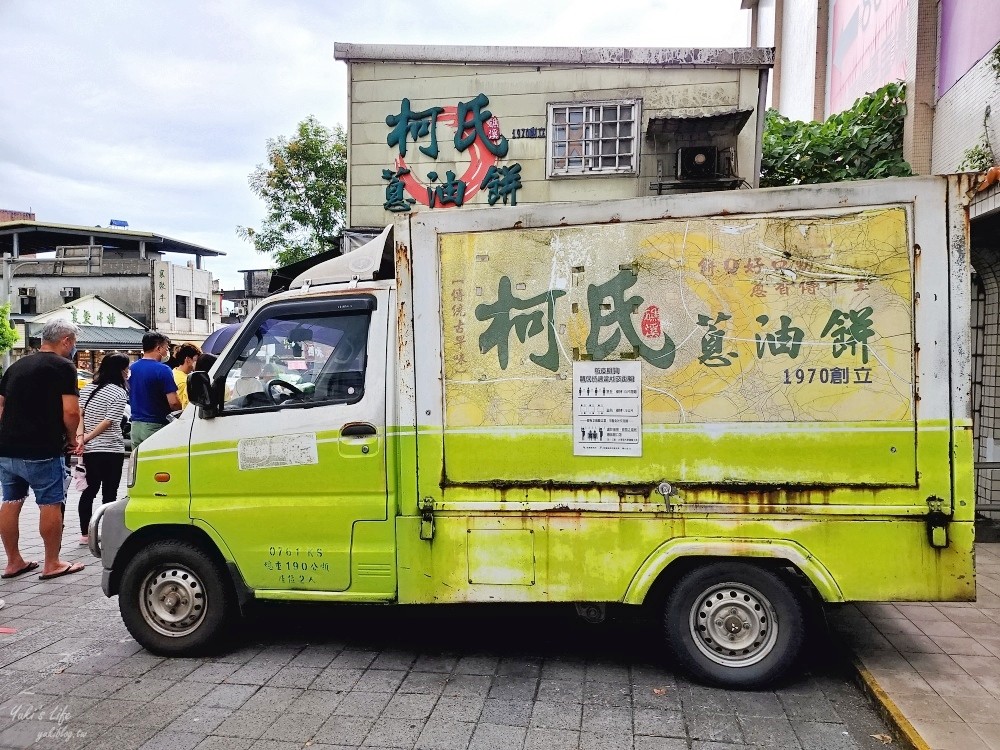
pixel 156 113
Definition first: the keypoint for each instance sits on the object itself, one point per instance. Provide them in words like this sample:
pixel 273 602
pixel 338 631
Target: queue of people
pixel 44 420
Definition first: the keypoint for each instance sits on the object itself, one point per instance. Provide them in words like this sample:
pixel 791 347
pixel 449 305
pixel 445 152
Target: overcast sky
pixel 156 112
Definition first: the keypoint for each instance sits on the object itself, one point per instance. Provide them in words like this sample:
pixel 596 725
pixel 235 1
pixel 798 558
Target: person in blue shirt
pixel 152 390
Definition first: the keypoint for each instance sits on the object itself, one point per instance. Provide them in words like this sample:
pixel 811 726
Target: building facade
pixel 103 328
pixel 47 266
pixel 830 52
pixel 439 128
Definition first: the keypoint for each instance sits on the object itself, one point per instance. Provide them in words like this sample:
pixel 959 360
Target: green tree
pixel 8 334
pixel 304 188
pixel 862 143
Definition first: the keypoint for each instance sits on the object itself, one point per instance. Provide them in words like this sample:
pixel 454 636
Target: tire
pixel 175 600
pixel 761 622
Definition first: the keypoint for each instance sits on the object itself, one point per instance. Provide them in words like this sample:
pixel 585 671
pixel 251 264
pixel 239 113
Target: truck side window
pixel 290 358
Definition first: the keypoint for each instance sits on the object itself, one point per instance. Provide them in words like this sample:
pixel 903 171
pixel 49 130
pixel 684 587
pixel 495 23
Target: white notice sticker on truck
pixel 277 451
pixel 607 408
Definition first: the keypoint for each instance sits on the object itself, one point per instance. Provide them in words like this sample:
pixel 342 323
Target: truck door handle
pixel 358 429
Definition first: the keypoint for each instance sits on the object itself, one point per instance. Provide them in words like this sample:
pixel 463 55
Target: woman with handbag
pixel 101 441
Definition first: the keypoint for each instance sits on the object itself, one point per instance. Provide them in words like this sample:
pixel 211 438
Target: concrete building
pixel 103 329
pixel 830 52
pixel 444 127
pixel 49 265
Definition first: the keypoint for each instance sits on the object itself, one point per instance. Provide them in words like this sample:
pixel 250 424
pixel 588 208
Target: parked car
pixel 83 377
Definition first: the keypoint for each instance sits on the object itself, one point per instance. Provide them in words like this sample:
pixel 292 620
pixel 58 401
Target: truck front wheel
pixel 734 624
pixel 174 599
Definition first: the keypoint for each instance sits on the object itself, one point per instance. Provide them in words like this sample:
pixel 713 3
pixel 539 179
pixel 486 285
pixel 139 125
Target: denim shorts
pixel 44 476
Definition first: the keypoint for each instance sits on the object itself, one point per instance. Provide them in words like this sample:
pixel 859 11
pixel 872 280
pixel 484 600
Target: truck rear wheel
pixel 734 624
pixel 174 599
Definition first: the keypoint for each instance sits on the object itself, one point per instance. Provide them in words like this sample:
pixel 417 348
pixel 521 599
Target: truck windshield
pixel 315 357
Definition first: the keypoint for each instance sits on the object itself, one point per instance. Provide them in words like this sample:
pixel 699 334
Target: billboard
pixel 867 49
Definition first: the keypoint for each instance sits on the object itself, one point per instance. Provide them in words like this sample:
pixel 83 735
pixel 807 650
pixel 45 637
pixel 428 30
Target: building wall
pixel 172 281
pixel 518 96
pixel 959 120
pixel 969 30
pixel 868 48
pixel 797 58
pixel 131 294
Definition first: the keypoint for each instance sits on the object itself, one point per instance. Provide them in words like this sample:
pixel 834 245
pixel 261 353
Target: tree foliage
pixel 862 143
pixel 304 188
pixel 8 334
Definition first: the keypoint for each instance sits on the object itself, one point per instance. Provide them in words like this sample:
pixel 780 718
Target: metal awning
pixel 99 337
pixel 41 236
pixel 723 123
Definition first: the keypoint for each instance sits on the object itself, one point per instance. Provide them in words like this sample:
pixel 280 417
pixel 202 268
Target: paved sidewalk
pixel 431 678
pixel 938 664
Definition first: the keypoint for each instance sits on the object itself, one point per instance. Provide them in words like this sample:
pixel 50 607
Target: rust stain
pixel 737 497
pixel 401 328
pixel 402 261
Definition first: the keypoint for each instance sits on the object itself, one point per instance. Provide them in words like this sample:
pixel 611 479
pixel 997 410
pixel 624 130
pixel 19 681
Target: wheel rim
pixel 733 624
pixel 174 601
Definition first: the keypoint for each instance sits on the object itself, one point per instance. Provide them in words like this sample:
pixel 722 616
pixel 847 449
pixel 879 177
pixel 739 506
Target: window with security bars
pixel 593 138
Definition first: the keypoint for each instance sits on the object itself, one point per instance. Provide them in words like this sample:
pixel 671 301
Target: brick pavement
pixel 406 677
pixel 938 664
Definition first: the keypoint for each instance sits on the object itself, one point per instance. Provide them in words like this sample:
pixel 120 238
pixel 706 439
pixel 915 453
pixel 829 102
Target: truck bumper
pixel 107 535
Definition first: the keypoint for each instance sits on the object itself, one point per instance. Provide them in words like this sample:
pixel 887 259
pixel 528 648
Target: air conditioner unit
pixel 69 292
pixel 26 291
pixel 697 162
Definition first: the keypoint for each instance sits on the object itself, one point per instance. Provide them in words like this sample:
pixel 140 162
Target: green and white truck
pixel 723 407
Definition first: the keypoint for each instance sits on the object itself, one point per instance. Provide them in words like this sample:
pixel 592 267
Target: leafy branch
pixel 304 188
pixel 862 143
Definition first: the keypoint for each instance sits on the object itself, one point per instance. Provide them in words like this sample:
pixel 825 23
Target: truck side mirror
pixel 199 388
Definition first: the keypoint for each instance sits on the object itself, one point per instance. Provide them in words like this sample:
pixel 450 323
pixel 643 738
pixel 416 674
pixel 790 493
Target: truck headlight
pixel 131 467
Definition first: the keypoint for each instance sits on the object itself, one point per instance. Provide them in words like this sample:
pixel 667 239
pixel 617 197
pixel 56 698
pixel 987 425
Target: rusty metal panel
pixel 695 433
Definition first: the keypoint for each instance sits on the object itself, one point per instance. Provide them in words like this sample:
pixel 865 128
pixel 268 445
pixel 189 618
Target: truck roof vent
pixel 367 263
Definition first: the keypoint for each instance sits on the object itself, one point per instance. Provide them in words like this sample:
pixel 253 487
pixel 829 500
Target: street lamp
pixel 9 266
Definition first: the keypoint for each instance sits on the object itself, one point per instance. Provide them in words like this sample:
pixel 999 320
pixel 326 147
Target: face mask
pixel 72 353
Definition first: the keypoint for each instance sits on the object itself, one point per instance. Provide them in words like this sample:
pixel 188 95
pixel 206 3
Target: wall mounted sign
pixel 477 132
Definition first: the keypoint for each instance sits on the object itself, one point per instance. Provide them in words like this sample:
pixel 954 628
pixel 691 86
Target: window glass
pixel 598 137
pixel 296 358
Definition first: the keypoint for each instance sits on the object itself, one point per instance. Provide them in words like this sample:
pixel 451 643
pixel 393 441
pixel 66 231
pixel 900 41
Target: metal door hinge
pixel 427 519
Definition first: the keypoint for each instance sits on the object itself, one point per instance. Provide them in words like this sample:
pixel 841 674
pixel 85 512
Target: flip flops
pixel 28 567
pixel 71 568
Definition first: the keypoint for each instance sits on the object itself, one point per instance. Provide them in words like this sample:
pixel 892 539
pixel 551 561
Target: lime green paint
pixel 286 528
pixel 595 557
pixel 852 542
pixel 151 502
pixel 811 454
pixel 780 549
pixel 344 597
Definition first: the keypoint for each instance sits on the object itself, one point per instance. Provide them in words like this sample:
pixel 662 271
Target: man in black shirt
pixel 39 415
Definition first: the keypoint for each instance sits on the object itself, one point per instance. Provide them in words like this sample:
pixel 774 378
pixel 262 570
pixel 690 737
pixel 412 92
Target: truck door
pixel 291 474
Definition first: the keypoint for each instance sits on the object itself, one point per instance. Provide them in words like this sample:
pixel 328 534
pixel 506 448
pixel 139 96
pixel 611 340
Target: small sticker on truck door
pixel 607 408
pixel 280 450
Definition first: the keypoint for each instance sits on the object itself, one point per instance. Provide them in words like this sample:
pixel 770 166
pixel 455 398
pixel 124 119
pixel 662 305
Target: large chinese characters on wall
pixel 451 166
pixel 733 320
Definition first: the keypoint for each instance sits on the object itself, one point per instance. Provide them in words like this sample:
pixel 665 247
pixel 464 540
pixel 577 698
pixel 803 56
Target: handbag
pixel 79 477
